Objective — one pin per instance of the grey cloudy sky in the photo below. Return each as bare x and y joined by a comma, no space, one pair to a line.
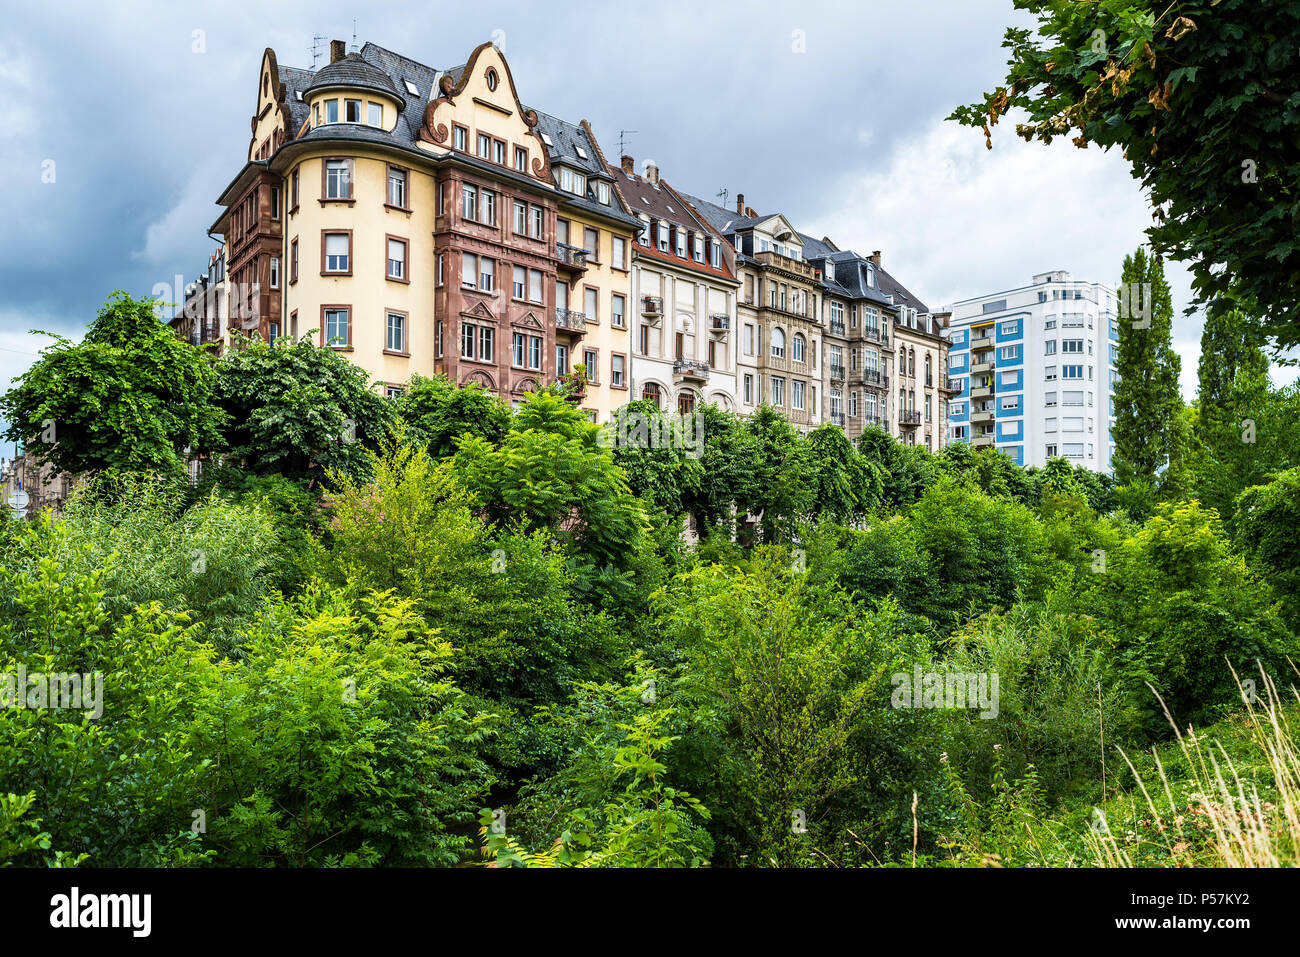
832,113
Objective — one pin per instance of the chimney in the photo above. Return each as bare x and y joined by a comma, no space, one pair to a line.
651,173
338,50
749,211
629,166
875,257
740,204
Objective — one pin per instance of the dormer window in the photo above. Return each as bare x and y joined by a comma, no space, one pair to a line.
572,181
830,269
602,192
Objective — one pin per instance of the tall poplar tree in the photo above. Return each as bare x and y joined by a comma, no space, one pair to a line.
1146,397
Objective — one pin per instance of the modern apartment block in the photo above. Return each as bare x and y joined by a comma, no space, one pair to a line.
1036,367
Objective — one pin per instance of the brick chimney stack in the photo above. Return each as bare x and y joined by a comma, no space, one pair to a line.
629,166
740,204
651,173
338,50
875,257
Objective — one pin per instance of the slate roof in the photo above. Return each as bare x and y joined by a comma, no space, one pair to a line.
662,203
357,72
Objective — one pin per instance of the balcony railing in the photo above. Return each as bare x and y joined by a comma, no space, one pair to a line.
949,384
836,370
874,377
796,266
691,369
571,256
877,334
652,306
837,418
837,327
719,323
880,420
570,320
909,417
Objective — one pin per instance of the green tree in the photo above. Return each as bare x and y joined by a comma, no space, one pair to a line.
781,492
1268,531
297,409
438,412
1146,396
845,486
1201,96
550,474
130,396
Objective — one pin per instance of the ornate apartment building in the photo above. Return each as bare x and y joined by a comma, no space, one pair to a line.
425,221
778,317
684,289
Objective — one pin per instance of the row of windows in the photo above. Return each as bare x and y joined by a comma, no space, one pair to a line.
669,238
800,391
489,148
1067,372
478,343
337,321
351,111
591,244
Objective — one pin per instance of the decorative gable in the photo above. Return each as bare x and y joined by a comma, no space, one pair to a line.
484,101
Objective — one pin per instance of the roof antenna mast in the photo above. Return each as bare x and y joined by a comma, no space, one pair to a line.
722,195
622,140
316,43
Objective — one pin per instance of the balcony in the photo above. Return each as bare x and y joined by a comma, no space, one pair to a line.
981,367
880,420
949,384
571,258
877,334
982,392
796,266
837,327
719,323
652,307
982,440
837,418
978,418
985,342
909,418
566,320
691,369
837,371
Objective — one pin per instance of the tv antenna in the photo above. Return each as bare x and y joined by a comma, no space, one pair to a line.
316,43
622,138
722,195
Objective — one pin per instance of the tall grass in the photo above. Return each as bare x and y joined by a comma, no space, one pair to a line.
1238,827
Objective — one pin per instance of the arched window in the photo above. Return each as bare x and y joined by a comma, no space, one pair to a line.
800,348
652,393
778,343
686,402
902,362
